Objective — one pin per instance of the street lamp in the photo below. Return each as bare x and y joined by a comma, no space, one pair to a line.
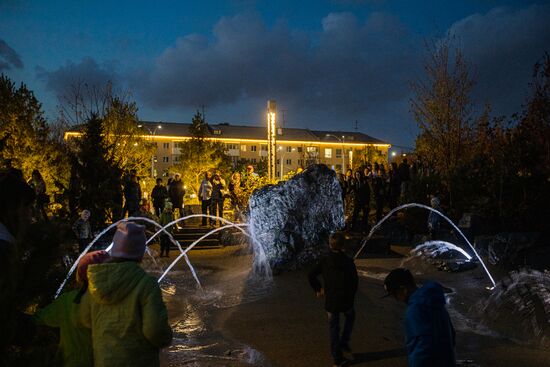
342,141
152,135
282,156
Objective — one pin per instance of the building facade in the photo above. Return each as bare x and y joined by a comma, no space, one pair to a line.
296,148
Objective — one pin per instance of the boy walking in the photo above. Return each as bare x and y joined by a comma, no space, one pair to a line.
339,288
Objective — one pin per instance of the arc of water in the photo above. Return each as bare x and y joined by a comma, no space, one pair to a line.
163,229
184,253
200,216
377,225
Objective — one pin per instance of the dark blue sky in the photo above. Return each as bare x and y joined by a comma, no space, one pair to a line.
327,63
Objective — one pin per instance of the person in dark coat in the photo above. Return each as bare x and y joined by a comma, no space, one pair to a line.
405,177
132,196
42,199
205,196
159,196
16,207
394,186
361,203
430,335
339,287
218,197
176,191
379,189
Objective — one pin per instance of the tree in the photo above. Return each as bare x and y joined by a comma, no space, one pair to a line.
124,143
442,109
198,155
96,182
25,139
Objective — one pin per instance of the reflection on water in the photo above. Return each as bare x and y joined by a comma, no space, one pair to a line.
197,315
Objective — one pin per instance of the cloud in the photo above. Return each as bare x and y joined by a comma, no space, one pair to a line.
351,69
86,73
349,66
502,46
8,57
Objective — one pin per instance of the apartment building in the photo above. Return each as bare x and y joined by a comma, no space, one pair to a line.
295,147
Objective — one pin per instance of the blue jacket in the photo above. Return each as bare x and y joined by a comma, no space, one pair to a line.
429,331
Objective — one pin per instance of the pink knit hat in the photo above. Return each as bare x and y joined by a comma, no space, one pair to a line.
129,241
91,258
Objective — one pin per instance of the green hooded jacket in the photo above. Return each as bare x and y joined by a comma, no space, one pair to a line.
124,309
75,342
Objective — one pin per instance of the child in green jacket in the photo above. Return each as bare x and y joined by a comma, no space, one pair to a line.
124,306
75,342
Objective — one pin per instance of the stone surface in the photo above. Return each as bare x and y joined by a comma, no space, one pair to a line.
290,222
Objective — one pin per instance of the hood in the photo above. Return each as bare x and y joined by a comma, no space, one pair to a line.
430,294
112,282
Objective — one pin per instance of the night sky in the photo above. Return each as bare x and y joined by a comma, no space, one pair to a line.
327,63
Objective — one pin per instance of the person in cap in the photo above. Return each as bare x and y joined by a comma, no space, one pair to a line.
430,335
75,341
124,306
339,288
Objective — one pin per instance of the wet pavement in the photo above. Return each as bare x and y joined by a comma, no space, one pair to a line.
236,321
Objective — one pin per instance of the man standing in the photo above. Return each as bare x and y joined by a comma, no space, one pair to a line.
339,288
159,195
429,331
218,196
205,196
177,192
132,195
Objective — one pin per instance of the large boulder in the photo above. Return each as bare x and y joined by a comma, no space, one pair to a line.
290,222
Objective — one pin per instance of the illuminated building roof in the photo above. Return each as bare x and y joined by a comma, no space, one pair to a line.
227,131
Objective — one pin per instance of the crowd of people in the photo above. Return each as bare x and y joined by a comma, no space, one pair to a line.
115,315
373,186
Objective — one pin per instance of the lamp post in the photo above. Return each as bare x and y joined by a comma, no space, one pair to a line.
271,140
342,141
282,156
152,134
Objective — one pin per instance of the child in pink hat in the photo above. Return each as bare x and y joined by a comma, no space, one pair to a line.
75,342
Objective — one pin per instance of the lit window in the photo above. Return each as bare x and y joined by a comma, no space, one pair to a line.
243,148
217,132
328,152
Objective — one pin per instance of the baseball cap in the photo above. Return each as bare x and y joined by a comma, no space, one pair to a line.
397,278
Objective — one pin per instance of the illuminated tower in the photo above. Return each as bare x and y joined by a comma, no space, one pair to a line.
271,137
